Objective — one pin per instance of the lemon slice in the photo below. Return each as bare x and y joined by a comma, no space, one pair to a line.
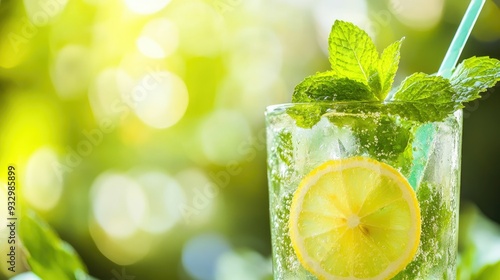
355,218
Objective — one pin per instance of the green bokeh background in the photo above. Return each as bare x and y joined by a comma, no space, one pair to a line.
204,71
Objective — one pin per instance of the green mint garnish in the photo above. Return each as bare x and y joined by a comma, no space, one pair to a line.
425,88
353,55
327,86
383,137
474,76
360,73
284,147
393,117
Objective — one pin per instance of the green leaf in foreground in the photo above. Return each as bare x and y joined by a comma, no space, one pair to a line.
490,272
479,244
473,76
48,256
353,54
327,87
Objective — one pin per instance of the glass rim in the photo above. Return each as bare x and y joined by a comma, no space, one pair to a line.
333,104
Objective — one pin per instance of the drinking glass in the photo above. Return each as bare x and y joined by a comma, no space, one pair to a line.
303,137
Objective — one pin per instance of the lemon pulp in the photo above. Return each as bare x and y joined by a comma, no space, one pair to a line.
355,218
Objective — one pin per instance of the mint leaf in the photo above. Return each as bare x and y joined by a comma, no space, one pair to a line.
306,117
426,88
473,76
353,54
383,137
281,158
387,68
327,87
284,148
440,97
379,133
358,73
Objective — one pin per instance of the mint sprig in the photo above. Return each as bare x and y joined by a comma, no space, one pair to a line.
353,55
359,73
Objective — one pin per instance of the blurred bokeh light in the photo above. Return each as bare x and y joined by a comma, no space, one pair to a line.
137,125
200,255
43,186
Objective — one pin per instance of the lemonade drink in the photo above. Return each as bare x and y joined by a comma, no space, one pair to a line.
350,222
364,177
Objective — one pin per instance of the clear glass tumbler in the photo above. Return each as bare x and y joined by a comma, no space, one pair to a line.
362,190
